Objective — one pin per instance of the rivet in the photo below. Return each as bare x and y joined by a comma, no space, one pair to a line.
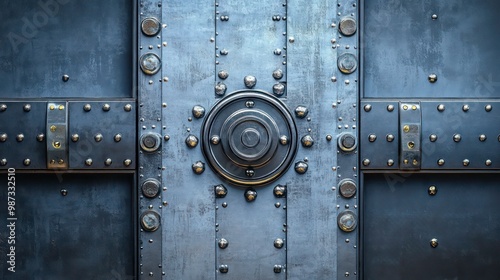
301,167
279,89
250,81
250,195
3,108
366,162
40,137
406,128
118,137
482,137
390,162
488,108
433,137
106,107
368,108
414,107
20,137
198,111
441,107
283,140
415,162
87,107
56,144
432,78
441,162
127,108
250,104
280,191
52,107
434,242
434,17
301,112
488,162
220,191
465,108
390,108
108,162
466,162
53,128
191,141
224,205
405,107
278,74
220,89
88,162
329,137
223,268
307,141
3,162
215,140
457,137
333,79
166,137
223,74
61,107
291,39
198,167
127,162
3,137
277,268
279,243
98,137
347,82
432,190
250,172
277,51
346,274
165,79
277,205
27,107
224,52
372,138
64,192
27,162
223,243
75,137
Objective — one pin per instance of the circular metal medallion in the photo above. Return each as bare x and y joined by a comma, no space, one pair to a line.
248,150
150,63
347,63
150,26
347,26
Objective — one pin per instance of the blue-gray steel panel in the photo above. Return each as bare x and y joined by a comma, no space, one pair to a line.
90,41
86,234
401,218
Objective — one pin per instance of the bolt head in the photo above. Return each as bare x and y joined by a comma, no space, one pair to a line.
432,78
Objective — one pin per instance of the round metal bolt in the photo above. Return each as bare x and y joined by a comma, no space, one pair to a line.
198,111
3,162
440,162
465,108
75,137
150,26
279,89
20,137
127,108
406,128
301,167
127,162
432,78
87,107
250,81
166,137
368,108
250,172
65,78
3,108
280,191
411,145
488,108
198,167
88,162
27,162
108,162
150,221
366,162
307,141
432,190
277,268
433,137
457,138
347,142
347,221
434,243
347,26
150,63
250,195
283,140
64,192
215,140
118,137
40,137
56,144
372,138
3,137
223,74
441,108
277,205
301,112
488,162
329,137
223,243
191,141
278,74
466,162
279,243
291,39
106,107
390,162
27,107
434,16
98,137
390,108
347,63
250,104
220,191
482,138
220,89
277,52
347,188
223,268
